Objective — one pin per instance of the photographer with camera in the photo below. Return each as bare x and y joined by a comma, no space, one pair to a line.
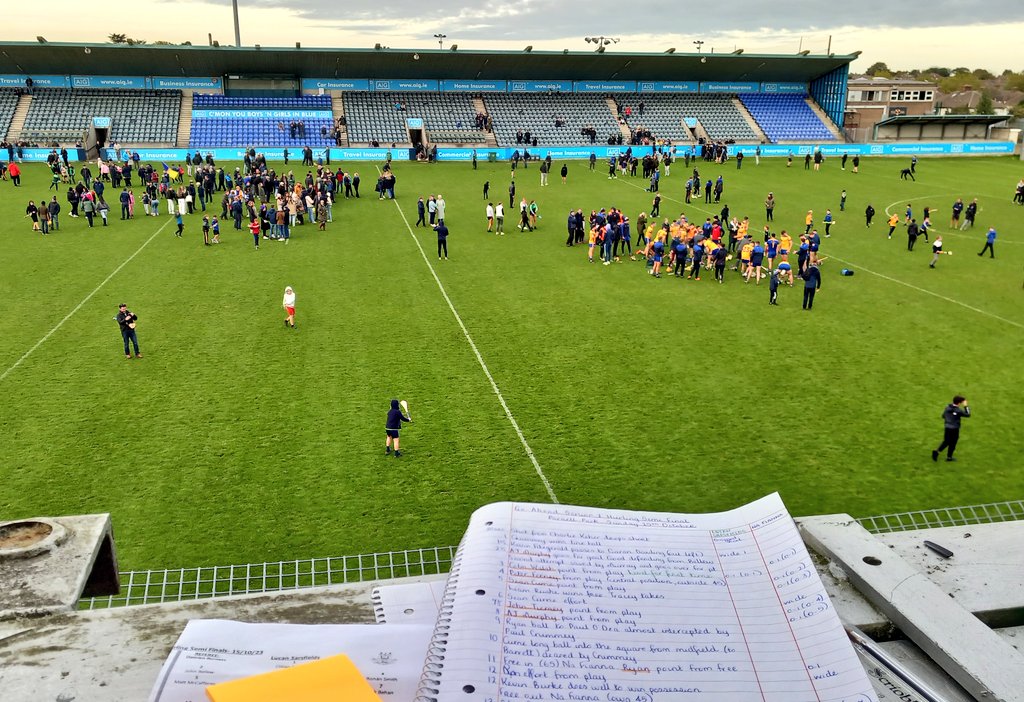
127,320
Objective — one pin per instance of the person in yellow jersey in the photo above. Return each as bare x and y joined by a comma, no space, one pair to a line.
785,245
591,244
809,221
894,220
745,252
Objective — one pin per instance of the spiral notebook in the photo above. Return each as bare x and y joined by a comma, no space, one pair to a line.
409,603
553,602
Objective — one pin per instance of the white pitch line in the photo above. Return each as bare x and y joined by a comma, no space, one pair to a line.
480,360
929,292
82,303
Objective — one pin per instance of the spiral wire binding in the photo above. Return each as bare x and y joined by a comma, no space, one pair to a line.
433,666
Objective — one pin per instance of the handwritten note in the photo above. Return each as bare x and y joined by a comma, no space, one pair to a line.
569,603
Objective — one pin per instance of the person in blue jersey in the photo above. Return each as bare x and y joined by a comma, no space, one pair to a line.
990,243
802,254
657,251
785,270
812,284
697,255
813,244
771,250
828,219
679,251
756,261
626,236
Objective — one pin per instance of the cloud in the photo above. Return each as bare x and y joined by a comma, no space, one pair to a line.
538,20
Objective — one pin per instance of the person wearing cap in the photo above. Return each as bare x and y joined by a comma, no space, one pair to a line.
127,320
289,306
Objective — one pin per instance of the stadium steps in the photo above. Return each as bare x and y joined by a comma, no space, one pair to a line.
761,136
701,133
18,120
185,120
338,111
613,107
825,119
489,139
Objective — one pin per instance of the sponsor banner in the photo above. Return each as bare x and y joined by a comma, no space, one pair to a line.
729,87
168,155
660,86
598,86
120,82
474,86
788,88
420,85
261,114
354,84
894,149
540,86
40,155
183,83
18,81
414,123
539,153
101,122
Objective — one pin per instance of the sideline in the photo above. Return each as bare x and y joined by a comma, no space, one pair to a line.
82,303
480,359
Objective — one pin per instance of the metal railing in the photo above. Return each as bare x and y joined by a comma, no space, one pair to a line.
183,584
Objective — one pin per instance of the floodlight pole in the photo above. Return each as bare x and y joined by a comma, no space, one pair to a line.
238,34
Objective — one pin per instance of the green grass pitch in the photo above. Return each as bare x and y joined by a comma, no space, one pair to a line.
236,440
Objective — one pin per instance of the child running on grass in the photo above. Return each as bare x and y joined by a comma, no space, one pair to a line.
254,227
392,427
289,306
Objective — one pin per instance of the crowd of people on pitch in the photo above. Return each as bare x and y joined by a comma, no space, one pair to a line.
686,249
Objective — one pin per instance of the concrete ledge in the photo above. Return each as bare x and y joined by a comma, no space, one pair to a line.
984,664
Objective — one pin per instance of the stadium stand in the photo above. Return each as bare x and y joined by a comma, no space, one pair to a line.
716,113
786,117
138,116
210,132
447,117
662,116
8,102
537,114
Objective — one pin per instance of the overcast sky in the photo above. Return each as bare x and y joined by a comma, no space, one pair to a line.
910,34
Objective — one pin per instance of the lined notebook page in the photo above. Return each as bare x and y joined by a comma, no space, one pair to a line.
409,603
554,602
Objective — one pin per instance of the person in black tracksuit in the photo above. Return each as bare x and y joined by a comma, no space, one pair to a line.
951,417
421,210
392,427
812,283
442,240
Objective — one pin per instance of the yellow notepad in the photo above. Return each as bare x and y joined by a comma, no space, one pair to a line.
334,679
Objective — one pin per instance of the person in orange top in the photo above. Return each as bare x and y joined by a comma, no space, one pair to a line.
893,221
809,221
